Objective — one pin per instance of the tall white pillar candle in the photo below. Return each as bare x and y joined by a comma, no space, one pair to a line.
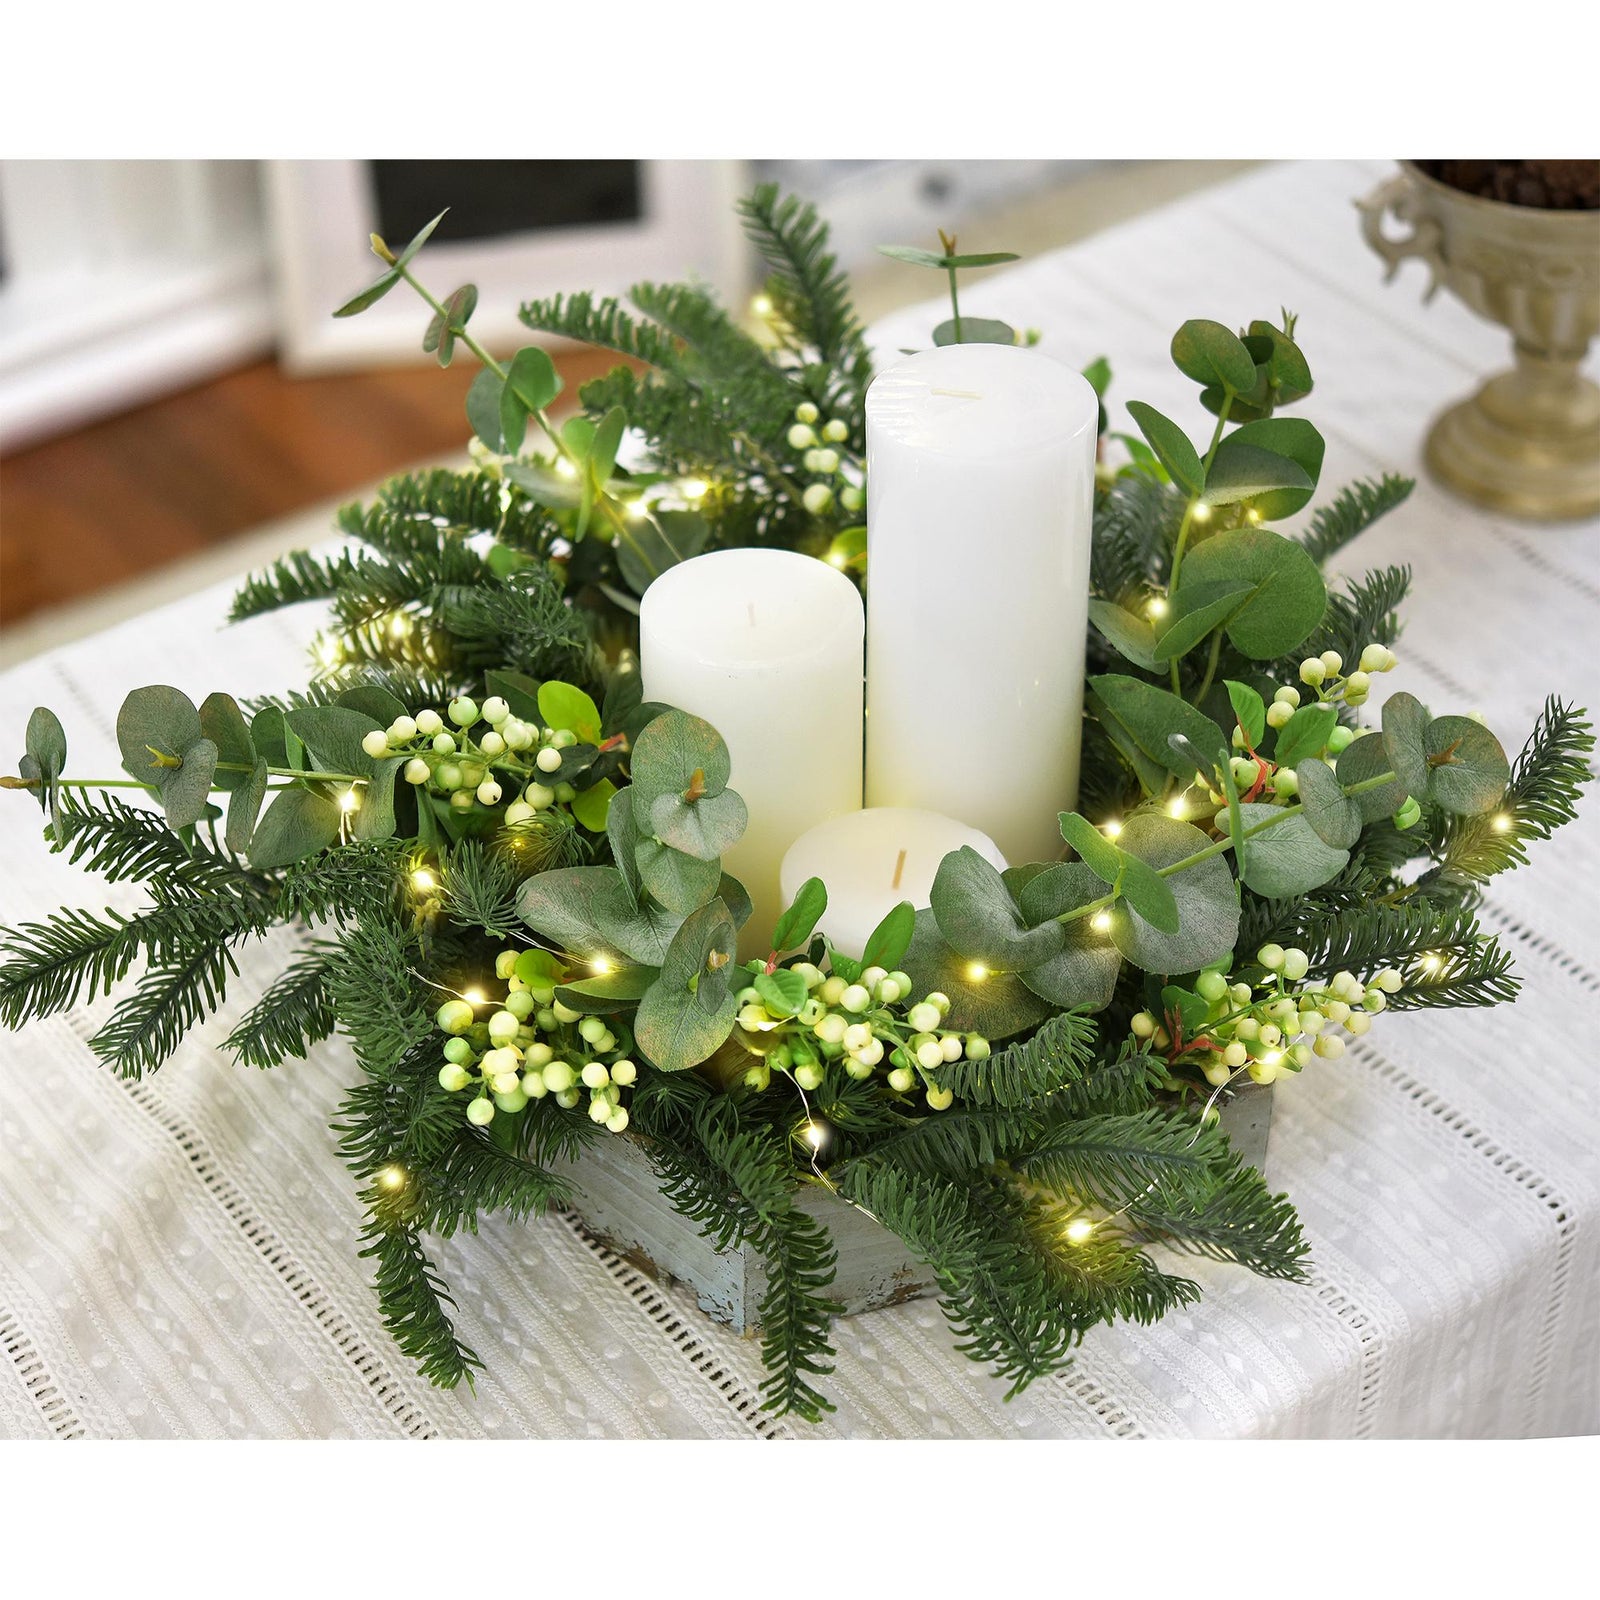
980,486
869,861
766,645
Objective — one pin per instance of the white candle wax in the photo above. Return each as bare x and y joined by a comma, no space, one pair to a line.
870,861
980,485
766,645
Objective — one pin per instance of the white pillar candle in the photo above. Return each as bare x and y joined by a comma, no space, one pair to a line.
870,861
980,486
766,645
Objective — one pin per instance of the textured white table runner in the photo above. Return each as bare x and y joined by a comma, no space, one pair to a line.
178,1257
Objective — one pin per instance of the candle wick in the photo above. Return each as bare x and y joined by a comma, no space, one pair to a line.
899,867
957,394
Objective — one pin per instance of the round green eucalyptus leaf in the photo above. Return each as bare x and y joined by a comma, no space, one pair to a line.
370,699
707,828
682,883
980,920
187,790
1405,727
993,1003
1294,439
1333,815
588,911
244,806
674,1031
154,727
46,741
1172,446
1290,596
1197,610
975,330
1206,896
1288,373
1247,474
671,749
1468,770
1208,352
1128,635
1365,759
1287,859
332,736
607,993
373,818
298,823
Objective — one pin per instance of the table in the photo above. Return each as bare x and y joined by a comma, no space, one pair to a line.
177,1257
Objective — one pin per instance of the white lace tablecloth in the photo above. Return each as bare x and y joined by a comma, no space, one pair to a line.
178,1257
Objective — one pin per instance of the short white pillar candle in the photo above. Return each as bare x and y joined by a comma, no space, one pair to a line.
980,487
766,646
869,861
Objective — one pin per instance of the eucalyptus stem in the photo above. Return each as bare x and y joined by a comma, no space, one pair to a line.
955,303
1219,846
1211,666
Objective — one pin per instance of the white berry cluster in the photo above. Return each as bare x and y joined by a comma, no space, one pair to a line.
1323,673
531,1046
1274,1026
865,1026
477,770
817,438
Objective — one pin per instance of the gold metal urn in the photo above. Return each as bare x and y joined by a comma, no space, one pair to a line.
1528,442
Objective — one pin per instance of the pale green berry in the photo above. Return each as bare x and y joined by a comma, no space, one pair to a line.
1244,771
872,977
512,1099
402,730
817,498
755,1019
458,1051
1357,1024
505,964
1374,1000
1271,957
517,734
871,1053
1312,1022
941,999
559,1077
1376,658
502,1061
851,498
472,774
1288,695
802,436
376,743
495,710
835,431
1285,783
539,797
1235,1055
520,1005
548,759
857,1036
618,1120
429,723
808,1075
901,1079
592,1029
481,1112
599,1109
940,1099
568,1098
856,998
462,800
930,1054
492,744
464,711
488,793
539,1054
452,1077
565,793
454,1016
806,412
889,991
749,996
924,1017
1278,713
546,1020
1271,1034
594,1075
813,460
809,975
1340,739
1216,1072
1264,1071
950,1047
417,770
831,989
812,1012
564,1013
1390,980
976,1047
1295,965
1356,686
827,461
1247,1028
1408,816
1331,1046
758,1076
443,744
1337,1012
1312,671
624,1072
1142,1025
1237,738
832,1028
503,1026
1332,661
1240,994
534,1086
1211,986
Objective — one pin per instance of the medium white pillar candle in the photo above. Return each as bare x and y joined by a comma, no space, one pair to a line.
870,861
766,645
980,488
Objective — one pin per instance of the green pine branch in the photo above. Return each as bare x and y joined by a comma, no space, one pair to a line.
1057,1055
1351,512
293,1014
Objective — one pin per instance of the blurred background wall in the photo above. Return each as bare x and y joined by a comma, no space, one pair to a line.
176,402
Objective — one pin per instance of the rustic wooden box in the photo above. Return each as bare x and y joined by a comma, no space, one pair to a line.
616,1196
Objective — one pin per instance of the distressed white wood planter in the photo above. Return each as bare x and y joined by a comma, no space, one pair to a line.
618,1199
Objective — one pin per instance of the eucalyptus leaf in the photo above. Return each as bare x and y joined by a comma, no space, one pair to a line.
1287,437
1288,858
485,413
298,823
1129,635
588,911
1468,770
653,544
607,441
1149,894
545,487
155,726
332,735
622,833
1250,710
980,920
1206,896
223,724
707,828
1198,609
1151,714
374,815
517,689
186,792
1332,814
995,1004
1362,761
887,943
1245,472
607,993
1208,352
533,378
1096,851
974,330
671,751
1288,374
1405,726
912,254
244,806
782,992
682,883
1290,596
675,1032
370,699
1171,445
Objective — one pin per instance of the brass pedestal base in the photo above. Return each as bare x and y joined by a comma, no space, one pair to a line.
1528,443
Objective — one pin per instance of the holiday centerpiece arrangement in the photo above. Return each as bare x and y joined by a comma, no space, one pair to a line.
571,812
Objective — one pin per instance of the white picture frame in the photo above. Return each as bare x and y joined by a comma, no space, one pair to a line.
320,214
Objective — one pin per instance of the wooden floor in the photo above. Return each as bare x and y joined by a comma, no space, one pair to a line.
122,497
